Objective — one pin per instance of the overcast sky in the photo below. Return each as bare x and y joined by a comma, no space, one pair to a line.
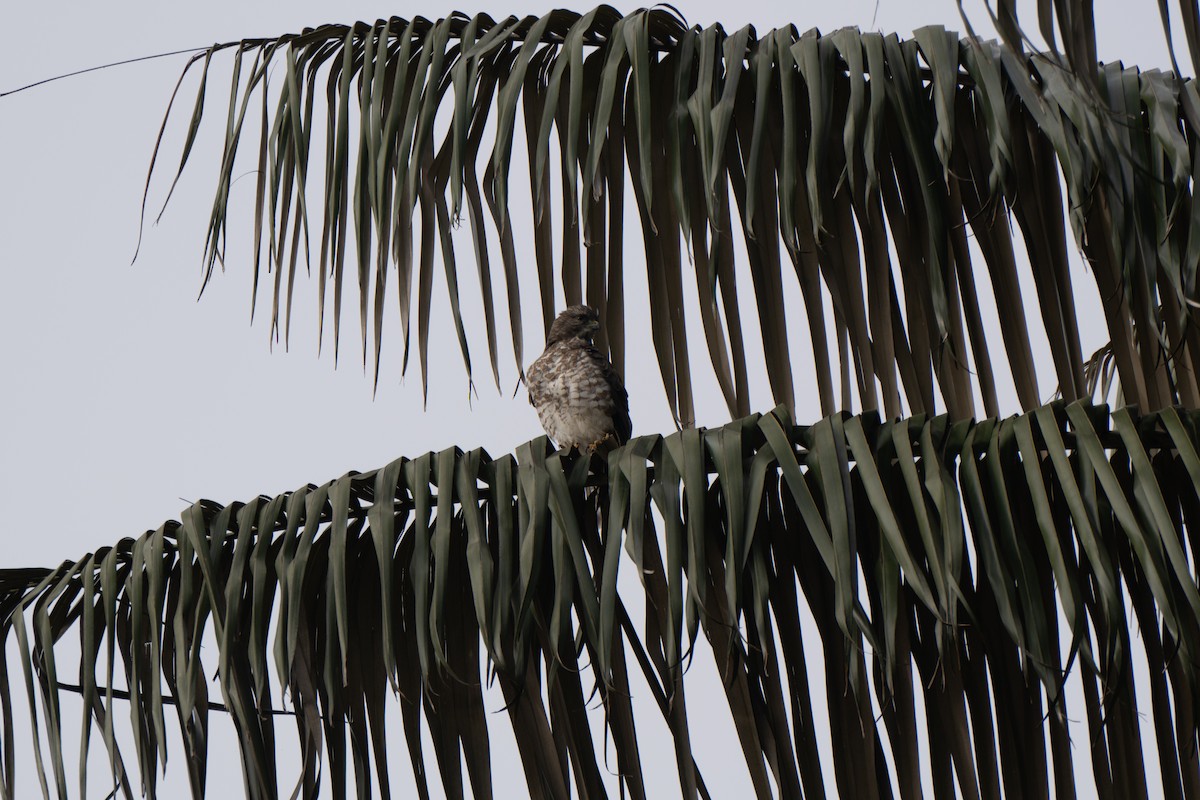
123,398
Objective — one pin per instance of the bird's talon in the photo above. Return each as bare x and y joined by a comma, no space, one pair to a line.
596,444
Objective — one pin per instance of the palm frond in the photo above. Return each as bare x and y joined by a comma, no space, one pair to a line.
866,161
1068,32
978,541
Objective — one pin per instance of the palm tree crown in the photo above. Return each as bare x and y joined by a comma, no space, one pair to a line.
1004,558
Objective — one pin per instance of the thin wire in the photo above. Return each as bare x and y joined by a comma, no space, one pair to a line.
102,66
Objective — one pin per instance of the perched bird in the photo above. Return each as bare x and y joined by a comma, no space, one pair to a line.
578,395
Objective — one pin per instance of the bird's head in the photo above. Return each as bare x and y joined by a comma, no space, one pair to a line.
575,322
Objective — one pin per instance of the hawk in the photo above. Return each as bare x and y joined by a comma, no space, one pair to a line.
579,397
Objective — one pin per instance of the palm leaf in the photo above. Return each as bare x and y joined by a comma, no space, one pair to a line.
969,533
866,156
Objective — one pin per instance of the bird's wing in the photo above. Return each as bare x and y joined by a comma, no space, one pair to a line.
622,424
533,381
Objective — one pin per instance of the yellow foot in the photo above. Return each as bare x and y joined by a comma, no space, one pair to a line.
591,448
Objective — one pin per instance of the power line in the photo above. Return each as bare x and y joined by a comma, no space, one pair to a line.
102,66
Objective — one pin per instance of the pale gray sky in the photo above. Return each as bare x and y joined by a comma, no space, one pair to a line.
123,397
